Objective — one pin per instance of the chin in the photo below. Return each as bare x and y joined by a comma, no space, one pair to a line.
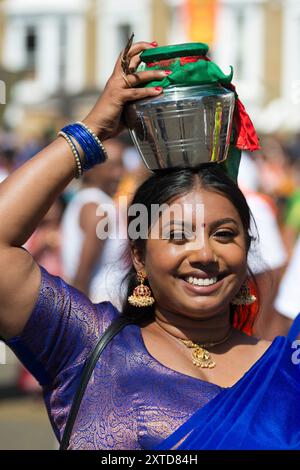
196,308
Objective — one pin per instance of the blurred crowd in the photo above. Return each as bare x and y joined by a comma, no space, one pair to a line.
66,242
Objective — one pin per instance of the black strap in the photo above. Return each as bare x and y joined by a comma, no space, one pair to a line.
111,331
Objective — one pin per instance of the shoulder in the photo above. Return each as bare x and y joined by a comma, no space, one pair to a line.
87,218
85,196
107,313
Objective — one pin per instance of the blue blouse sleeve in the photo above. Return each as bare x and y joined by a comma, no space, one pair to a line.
62,330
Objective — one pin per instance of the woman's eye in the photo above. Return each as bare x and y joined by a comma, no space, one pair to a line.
224,235
179,236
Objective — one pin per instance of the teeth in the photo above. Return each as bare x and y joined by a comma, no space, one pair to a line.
196,281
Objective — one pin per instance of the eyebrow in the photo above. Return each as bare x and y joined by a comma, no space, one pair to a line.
225,220
213,225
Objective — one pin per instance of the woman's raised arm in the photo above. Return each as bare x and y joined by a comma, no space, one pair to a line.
27,194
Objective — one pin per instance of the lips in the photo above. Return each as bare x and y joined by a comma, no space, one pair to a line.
203,285
203,275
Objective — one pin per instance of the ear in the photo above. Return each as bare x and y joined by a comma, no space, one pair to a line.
137,259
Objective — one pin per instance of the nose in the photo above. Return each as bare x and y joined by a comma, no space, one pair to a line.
201,252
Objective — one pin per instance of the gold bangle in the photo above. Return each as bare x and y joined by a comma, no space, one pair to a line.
75,153
95,137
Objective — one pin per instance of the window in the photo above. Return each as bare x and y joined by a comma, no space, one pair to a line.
240,57
30,47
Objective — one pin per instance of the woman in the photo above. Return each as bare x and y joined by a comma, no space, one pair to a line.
145,386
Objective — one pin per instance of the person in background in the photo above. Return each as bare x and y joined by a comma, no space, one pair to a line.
287,302
291,216
276,172
135,173
92,264
267,256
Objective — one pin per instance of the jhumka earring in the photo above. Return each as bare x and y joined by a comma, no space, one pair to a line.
244,296
142,295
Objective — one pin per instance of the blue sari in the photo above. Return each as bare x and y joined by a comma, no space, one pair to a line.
260,412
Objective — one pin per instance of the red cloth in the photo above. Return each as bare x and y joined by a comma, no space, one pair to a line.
183,61
246,137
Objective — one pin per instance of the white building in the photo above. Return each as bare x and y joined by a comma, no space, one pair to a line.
46,38
71,46
116,21
261,39
290,77
67,47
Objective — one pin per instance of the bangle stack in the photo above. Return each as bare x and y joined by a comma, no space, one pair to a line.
75,153
93,149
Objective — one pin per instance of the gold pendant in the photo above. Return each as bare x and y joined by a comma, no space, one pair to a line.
202,358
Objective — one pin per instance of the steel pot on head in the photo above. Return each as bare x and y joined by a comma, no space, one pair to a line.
182,127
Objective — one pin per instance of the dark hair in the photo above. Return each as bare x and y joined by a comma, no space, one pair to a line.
163,186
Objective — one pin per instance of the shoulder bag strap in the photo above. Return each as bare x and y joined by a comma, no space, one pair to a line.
108,335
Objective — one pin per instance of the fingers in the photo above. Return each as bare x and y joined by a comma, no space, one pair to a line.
134,63
135,59
139,78
138,47
134,94
123,87
135,50
125,84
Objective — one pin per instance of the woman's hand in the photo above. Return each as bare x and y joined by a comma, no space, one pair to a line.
105,117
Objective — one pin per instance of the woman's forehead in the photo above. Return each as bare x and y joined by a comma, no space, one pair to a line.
195,210
211,204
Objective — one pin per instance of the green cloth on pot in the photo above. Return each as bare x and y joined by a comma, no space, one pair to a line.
173,51
201,72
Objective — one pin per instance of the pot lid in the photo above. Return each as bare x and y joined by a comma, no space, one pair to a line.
177,50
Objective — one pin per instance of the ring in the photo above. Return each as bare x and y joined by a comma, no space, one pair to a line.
126,80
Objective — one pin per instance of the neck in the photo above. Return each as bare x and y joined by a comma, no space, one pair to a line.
202,330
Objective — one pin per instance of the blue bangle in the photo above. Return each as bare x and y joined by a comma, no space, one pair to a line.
93,149
88,145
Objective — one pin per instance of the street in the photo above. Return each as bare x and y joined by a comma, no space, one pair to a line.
24,425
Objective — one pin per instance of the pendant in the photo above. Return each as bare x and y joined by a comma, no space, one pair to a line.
202,358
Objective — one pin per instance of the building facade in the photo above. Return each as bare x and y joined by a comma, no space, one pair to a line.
68,49
65,49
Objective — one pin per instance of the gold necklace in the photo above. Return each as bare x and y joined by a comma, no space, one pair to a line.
200,356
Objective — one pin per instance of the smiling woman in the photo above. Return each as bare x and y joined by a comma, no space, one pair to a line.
181,372
204,267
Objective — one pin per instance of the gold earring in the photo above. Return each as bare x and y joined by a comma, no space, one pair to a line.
244,296
141,296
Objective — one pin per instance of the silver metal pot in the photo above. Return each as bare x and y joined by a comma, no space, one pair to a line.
182,127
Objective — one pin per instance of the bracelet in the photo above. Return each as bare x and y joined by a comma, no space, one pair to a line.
95,137
75,153
94,152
